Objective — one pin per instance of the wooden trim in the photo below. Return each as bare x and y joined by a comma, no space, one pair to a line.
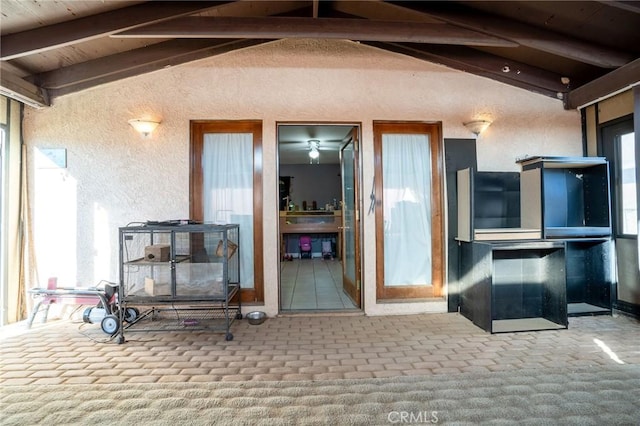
198,129
435,288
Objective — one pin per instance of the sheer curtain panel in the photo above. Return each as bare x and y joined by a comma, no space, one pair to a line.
406,167
227,183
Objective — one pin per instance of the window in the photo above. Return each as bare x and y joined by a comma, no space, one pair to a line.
628,186
618,146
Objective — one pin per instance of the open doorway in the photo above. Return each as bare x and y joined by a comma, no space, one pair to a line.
319,225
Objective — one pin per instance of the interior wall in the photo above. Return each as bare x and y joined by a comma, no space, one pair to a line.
604,111
114,177
313,182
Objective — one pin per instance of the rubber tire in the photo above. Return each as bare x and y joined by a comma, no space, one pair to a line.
228,337
131,314
109,324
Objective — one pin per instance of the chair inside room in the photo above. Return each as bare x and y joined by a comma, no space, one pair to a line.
305,246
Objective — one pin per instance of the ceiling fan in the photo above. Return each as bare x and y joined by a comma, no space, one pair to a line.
312,150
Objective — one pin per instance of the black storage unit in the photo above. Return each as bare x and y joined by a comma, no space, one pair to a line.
566,197
534,254
508,287
489,206
590,277
569,199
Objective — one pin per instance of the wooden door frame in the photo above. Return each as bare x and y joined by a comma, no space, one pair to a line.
357,181
198,128
434,130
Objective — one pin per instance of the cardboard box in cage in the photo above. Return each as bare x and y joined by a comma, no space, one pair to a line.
231,249
154,288
157,253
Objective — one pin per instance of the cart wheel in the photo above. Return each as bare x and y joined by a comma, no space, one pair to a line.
109,324
239,315
228,337
131,314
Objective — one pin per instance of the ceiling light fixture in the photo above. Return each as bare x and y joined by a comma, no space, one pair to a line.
144,127
478,126
314,154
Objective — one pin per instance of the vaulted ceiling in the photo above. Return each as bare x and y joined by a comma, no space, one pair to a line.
576,51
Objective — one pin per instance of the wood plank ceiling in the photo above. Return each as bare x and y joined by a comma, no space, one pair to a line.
576,51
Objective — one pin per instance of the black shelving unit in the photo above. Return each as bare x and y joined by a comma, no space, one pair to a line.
569,199
590,277
510,287
179,277
489,207
566,197
550,259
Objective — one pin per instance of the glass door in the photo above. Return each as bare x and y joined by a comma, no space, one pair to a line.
618,145
351,281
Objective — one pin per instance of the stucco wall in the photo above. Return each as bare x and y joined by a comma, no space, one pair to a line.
114,177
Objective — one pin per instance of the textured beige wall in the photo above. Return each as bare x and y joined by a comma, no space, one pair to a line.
114,177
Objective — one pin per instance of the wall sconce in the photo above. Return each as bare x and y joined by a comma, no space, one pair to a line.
314,154
477,127
144,127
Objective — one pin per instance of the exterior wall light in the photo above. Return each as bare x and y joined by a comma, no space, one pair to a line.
144,127
478,126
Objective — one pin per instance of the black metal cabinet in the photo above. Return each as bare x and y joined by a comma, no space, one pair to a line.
185,276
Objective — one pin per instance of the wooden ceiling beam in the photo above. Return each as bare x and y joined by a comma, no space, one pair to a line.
617,80
629,6
526,35
112,64
136,62
485,65
327,28
381,10
62,34
21,90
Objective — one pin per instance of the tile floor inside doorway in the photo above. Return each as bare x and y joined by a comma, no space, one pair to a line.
312,284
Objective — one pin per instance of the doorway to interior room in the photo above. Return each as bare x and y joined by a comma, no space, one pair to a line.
319,217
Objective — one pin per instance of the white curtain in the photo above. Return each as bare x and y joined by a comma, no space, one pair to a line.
406,172
227,170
